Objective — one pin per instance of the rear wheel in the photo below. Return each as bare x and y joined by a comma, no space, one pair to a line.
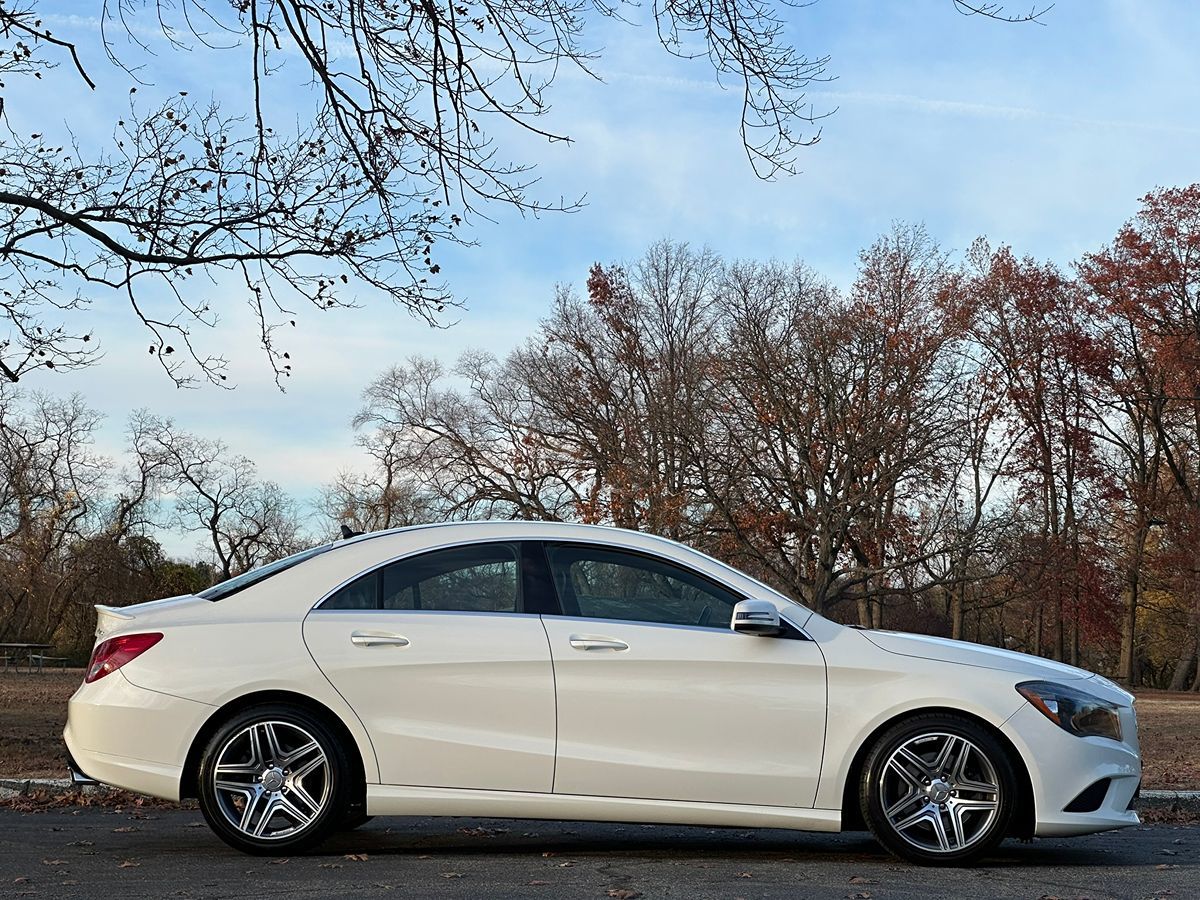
938,790
274,780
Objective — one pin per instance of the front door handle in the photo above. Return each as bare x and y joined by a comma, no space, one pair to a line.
377,639
588,642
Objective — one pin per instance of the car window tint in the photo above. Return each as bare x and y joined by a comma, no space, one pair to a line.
480,578
362,593
609,584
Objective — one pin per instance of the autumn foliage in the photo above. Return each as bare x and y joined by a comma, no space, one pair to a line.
991,447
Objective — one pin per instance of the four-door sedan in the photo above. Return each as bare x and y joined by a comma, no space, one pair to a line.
550,671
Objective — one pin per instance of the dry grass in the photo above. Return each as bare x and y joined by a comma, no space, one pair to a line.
33,709
1169,729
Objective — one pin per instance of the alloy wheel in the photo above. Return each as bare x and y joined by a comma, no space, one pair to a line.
271,780
939,792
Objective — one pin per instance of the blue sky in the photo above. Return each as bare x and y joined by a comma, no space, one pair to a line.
1042,136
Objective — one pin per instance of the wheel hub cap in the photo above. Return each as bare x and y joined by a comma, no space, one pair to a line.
939,791
272,780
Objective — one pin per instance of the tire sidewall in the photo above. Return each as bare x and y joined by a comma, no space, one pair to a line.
872,807
326,822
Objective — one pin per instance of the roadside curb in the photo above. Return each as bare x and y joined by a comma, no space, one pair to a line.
16,787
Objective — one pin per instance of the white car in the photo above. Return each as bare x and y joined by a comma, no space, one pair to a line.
551,671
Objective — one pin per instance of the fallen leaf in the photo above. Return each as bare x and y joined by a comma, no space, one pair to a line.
128,864
357,857
537,882
451,875
125,829
54,862
566,865
331,865
624,894
80,843
282,861
859,879
744,875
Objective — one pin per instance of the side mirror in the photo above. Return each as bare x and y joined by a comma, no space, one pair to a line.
758,617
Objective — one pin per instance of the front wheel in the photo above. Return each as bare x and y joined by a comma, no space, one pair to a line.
938,790
274,780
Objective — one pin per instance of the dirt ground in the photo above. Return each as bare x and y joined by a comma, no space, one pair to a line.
1169,729
33,709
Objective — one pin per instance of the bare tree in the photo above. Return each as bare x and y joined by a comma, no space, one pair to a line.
391,153
313,202
246,522
51,494
828,459
384,496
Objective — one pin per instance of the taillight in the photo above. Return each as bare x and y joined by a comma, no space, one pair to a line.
110,655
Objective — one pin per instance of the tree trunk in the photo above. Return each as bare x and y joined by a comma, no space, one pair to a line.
1133,578
957,602
1183,668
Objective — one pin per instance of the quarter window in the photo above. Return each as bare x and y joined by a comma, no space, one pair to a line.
598,583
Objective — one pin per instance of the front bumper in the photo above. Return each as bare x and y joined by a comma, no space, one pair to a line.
1062,766
129,737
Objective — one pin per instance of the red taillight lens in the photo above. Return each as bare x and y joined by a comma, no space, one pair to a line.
110,655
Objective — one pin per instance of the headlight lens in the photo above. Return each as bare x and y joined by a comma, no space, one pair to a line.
1073,710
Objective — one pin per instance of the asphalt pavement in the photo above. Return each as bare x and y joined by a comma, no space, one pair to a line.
95,852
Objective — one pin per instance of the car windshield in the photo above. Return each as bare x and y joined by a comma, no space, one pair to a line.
254,576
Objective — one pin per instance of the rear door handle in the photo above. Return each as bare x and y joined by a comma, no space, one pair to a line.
587,642
377,639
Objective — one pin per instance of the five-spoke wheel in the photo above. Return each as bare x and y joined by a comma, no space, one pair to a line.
938,788
273,778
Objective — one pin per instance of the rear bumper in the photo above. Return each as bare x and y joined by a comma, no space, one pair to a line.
129,737
1062,766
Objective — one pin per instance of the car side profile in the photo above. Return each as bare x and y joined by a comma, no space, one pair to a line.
554,671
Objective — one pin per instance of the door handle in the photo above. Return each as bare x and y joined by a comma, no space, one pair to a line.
377,639
586,642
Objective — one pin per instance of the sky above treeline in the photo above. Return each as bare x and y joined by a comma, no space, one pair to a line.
1042,136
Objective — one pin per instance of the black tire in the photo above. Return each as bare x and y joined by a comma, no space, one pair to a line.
317,785
933,799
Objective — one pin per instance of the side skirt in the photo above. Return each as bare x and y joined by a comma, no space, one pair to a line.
401,800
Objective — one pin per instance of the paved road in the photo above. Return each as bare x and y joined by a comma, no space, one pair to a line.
94,852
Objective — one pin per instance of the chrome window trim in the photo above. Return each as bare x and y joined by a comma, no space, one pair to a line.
425,612
705,629
614,545
375,568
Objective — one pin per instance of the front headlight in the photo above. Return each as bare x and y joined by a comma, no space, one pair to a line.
1074,710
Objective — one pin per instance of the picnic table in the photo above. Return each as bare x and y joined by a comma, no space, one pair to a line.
12,654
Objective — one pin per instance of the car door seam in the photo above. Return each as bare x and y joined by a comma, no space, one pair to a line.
554,683
336,690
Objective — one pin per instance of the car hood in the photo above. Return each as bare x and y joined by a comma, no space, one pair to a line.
968,654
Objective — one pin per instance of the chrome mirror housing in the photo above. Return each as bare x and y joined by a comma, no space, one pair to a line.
757,617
